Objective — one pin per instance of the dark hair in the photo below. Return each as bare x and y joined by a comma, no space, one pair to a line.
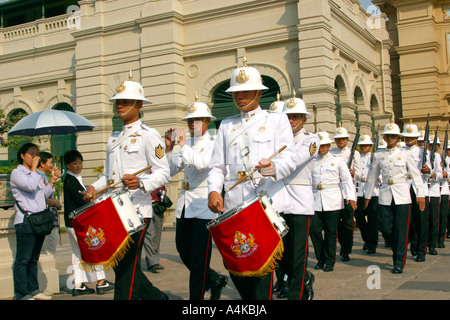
44,157
23,149
71,156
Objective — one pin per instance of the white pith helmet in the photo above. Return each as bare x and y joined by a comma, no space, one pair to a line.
130,90
277,105
341,132
382,144
411,130
421,135
198,109
296,105
391,128
324,137
245,78
432,139
365,139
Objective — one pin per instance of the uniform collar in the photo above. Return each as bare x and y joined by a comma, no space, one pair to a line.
392,150
251,113
205,136
302,131
412,147
132,126
299,134
319,157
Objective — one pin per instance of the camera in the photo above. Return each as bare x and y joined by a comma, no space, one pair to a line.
161,194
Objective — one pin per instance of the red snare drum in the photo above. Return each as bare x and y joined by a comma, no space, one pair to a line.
249,237
103,228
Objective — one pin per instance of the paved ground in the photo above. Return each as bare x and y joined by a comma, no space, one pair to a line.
352,280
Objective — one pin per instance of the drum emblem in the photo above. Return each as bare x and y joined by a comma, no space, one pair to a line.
94,238
243,246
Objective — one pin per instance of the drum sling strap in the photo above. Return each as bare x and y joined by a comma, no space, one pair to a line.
119,154
239,135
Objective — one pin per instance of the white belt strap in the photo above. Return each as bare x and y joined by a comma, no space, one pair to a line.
193,185
326,186
241,127
396,181
234,176
245,152
318,163
297,181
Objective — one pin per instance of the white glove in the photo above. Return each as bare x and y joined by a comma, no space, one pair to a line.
266,168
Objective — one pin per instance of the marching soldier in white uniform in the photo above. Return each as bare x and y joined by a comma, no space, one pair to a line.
418,230
193,240
444,206
345,223
435,197
244,142
301,201
394,200
367,219
330,179
135,147
281,284
447,170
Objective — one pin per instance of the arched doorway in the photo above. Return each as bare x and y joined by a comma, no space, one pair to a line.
224,105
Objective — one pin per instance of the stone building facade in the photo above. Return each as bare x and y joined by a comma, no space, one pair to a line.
332,53
420,60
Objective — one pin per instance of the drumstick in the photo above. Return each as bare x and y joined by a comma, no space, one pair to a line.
112,185
254,170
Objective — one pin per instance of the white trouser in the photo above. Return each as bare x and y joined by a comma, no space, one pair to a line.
80,275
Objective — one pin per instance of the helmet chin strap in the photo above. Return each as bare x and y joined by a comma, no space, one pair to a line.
247,107
301,123
129,110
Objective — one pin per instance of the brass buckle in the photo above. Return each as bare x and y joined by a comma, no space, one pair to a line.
319,187
186,186
241,174
363,179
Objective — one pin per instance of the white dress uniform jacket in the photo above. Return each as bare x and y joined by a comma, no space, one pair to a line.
241,142
435,183
394,165
294,194
330,179
299,183
366,166
445,190
194,158
417,154
344,153
136,147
